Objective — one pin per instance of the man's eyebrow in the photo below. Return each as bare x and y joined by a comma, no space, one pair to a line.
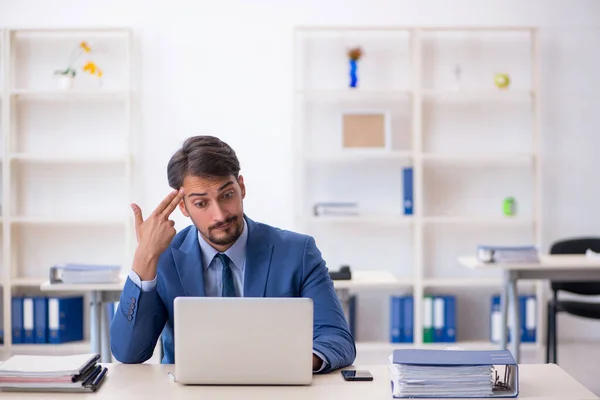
206,194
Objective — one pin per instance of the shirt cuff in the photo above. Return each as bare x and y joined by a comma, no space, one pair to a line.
324,364
146,286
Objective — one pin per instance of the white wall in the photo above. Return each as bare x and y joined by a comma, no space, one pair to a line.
225,68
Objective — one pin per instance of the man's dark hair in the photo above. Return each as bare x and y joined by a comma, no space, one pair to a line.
204,157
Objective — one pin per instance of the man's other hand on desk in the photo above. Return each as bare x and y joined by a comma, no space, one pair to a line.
317,363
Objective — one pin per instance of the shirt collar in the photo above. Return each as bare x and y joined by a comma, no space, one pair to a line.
236,253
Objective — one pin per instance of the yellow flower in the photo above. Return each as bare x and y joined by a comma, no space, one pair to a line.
92,68
85,47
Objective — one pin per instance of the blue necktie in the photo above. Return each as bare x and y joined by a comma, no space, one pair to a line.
227,277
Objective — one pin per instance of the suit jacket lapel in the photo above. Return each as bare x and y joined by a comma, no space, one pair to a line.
189,265
258,261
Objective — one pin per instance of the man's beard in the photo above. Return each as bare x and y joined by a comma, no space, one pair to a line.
234,232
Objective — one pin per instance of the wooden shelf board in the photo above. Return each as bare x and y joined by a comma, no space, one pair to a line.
22,220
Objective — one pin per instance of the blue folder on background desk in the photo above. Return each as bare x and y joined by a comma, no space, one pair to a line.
454,373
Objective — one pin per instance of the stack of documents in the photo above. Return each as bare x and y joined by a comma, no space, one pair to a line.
335,209
82,273
79,373
508,254
452,373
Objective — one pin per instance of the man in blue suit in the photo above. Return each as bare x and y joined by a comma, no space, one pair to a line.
224,253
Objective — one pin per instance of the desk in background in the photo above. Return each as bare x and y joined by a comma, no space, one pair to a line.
100,294
150,381
362,280
551,267
111,292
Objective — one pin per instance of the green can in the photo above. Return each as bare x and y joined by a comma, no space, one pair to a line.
509,206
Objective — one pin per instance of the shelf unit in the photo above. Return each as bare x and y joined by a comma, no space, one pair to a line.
66,160
470,144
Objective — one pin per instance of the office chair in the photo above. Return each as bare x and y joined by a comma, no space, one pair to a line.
578,308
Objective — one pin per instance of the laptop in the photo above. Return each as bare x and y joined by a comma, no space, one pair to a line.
243,340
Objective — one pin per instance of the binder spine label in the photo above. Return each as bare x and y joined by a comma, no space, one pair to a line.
28,320
439,322
53,311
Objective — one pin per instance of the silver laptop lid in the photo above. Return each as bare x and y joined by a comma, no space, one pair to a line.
243,340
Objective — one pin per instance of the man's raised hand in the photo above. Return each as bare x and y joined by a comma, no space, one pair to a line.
154,234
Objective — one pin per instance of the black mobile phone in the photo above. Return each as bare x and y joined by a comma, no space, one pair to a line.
356,375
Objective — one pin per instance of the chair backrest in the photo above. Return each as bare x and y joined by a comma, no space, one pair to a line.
576,246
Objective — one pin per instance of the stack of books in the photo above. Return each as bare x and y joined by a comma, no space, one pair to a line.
453,373
335,209
439,319
83,273
53,319
78,373
508,254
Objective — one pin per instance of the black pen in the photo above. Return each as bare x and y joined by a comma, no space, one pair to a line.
92,375
99,377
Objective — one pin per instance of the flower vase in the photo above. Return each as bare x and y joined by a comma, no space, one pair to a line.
353,73
65,82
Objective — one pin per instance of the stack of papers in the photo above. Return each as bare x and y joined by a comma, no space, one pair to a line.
335,209
82,273
422,381
79,373
452,373
508,254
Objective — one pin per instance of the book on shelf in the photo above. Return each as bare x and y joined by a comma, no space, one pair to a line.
77,373
527,319
52,319
439,319
453,373
507,254
407,190
401,319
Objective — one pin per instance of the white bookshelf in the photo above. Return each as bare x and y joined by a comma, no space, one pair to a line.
393,219
66,161
470,145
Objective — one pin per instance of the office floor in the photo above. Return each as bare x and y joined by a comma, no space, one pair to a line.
579,359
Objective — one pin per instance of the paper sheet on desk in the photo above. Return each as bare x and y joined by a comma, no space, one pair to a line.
46,366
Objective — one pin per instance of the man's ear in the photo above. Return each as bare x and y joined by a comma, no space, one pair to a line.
242,186
183,208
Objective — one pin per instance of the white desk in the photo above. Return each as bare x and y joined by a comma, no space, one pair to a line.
150,381
362,280
367,280
550,267
110,292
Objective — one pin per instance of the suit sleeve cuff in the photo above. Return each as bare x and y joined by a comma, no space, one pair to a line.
145,286
322,357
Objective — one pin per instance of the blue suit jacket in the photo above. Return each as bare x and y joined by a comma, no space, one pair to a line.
279,263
